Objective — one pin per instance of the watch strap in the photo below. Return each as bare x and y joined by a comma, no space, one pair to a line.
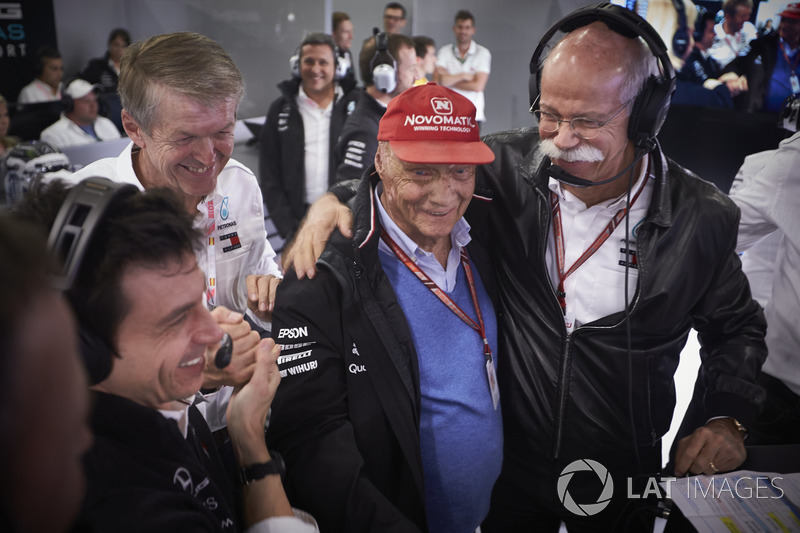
251,473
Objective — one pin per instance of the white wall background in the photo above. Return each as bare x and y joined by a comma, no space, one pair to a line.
261,35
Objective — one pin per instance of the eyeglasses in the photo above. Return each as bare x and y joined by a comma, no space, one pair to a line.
585,128
393,18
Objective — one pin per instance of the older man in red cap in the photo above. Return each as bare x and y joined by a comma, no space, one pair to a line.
388,414
772,66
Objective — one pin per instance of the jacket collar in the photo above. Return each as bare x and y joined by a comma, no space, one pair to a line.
366,221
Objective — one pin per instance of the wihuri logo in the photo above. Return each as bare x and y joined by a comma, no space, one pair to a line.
442,106
585,509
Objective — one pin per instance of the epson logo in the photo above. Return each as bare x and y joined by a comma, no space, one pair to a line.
293,333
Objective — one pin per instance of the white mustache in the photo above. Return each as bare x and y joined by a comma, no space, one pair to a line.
582,152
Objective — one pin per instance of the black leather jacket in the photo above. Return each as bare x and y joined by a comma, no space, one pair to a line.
566,394
281,153
346,415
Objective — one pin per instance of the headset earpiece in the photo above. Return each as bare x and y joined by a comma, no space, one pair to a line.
383,65
82,212
700,23
650,108
680,40
67,103
294,64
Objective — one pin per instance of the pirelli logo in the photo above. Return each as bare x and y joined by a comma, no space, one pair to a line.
293,357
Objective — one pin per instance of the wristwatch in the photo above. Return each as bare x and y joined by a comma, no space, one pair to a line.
739,425
251,473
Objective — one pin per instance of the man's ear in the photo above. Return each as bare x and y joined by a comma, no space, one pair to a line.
133,129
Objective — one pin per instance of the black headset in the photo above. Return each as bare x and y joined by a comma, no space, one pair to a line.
383,64
700,23
652,103
44,52
67,102
680,40
82,212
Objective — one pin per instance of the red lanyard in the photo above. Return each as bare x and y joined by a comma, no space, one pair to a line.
443,297
211,267
786,57
598,242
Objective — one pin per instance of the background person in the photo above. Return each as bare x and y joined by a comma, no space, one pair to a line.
46,86
768,198
734,32
394,17
44,400
105,70
358,142
80,123
343,37
426,58
772,66
464,66
6,142
297,144
701,81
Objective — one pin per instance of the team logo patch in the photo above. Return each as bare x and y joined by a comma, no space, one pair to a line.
442,106
224,210
628,256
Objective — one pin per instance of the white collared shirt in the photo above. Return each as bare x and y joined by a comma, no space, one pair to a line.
181,416
477,59
316,131
38,91
445,278
596,288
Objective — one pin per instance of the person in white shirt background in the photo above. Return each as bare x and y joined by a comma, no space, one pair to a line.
464,66
46,87
80,123
734,33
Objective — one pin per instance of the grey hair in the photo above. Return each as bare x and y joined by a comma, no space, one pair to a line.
185,62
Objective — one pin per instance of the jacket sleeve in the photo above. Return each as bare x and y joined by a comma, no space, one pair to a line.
309,424
270,173
355,152
92,71
731,328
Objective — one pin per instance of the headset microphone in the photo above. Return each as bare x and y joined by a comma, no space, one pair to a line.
563,176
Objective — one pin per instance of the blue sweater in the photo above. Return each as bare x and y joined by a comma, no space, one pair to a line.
461,434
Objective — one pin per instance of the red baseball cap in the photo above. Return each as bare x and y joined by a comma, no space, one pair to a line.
792,11
433,124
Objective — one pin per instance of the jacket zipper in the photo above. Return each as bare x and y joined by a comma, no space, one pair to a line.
562,389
